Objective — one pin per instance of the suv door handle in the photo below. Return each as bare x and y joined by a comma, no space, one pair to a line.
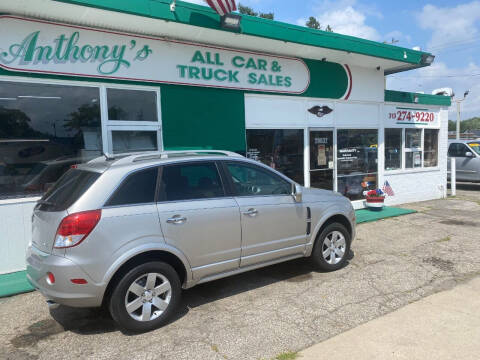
251,212
177,220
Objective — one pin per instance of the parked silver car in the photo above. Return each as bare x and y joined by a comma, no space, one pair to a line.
467,159
131,232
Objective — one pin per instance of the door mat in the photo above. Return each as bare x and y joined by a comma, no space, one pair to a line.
365,215
14,283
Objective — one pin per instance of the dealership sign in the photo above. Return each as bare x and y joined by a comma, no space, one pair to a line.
404,117
51,48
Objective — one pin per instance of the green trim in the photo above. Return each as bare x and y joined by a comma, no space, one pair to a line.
366,215
203,16
203,118
402,108
14,283
423,99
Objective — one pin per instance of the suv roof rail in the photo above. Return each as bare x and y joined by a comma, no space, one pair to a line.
132,158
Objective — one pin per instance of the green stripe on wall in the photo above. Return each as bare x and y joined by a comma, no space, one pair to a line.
203,118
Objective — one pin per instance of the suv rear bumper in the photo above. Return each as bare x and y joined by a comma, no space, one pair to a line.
63,291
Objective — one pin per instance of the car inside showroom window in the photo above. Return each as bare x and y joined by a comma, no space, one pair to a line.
44,130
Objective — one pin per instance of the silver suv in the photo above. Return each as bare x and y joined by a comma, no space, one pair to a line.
129,233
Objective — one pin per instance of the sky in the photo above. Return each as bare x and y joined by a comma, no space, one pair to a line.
450,29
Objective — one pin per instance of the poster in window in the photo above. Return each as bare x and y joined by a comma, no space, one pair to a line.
321,155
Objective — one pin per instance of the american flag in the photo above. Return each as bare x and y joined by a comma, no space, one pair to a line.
222,7
387,189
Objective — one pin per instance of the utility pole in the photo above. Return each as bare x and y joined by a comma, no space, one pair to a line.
459,102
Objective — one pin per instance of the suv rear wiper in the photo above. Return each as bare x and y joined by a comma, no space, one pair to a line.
44,202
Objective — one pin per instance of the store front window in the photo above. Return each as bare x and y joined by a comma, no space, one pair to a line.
44,130
393,149
279,149
413,148
132,105
357,159
431,148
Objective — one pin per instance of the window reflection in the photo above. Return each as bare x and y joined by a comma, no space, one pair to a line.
393,149
357,161
44,129
132,105
279,149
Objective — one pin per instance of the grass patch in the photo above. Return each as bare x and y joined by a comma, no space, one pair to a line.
289,355
445,239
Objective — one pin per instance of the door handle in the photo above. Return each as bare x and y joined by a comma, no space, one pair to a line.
251,212
177,220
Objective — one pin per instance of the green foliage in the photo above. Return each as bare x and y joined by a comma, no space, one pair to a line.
470,124
313,23
15,124
289,355
269,16
246,10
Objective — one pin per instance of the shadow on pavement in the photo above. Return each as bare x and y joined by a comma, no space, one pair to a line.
466,186
97,321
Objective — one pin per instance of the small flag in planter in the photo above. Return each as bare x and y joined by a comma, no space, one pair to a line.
222,7
387,189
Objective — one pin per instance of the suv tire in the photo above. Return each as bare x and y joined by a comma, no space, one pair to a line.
146,297
332,247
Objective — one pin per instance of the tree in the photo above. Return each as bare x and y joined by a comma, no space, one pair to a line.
313,23
246,10
465,125
15,124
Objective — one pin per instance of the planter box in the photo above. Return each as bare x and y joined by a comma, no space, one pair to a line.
375,202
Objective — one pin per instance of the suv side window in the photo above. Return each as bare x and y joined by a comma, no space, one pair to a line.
250,180
191,181
457,150
137,188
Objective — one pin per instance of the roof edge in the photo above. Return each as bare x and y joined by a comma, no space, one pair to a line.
203,16
422,99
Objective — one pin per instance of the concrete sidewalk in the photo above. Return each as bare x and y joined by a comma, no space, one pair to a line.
442,326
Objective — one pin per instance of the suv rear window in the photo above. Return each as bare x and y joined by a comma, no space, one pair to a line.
138,188
68,189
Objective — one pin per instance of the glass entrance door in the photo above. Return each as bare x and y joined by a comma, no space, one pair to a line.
321,159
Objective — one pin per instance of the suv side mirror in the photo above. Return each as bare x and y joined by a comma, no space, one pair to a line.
297,193
468,154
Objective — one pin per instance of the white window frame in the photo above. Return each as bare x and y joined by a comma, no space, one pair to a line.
106,125
147,128
402,149
127,125
406,150
132,88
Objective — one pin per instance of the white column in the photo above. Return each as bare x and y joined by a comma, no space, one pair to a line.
306,155
453,175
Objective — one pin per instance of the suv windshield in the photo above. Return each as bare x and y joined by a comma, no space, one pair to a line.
67,190
475,146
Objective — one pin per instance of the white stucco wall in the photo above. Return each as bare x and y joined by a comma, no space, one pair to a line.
426,184
15,234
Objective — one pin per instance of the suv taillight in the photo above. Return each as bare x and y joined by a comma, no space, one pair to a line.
75,228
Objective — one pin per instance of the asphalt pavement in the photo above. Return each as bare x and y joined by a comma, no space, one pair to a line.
267,312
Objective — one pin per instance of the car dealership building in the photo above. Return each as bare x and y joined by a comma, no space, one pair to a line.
79,78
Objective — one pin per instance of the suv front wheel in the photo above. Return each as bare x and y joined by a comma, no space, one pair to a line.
146,297
331,247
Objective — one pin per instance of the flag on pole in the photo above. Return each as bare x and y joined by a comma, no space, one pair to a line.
387,189
222,7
